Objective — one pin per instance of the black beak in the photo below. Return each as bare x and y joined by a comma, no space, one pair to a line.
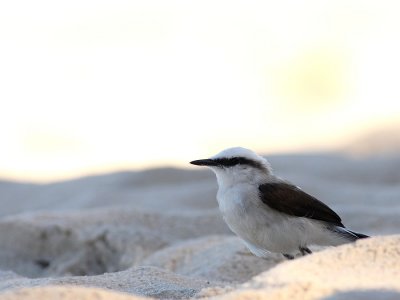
204,162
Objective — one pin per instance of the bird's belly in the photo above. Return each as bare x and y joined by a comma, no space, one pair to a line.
264,230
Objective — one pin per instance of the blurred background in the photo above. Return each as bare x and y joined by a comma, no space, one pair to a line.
90,86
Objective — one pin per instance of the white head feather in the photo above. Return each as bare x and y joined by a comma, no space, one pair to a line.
241,172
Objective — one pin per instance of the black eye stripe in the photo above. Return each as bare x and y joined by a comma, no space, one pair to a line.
233,161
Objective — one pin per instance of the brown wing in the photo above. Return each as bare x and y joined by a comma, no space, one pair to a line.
291,200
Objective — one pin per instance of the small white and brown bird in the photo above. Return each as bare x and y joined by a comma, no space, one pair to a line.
270,214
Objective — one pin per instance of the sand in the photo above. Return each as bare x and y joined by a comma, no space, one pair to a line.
158,234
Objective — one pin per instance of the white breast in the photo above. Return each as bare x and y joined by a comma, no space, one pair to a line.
240,208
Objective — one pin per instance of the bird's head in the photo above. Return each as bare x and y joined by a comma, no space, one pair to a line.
234,165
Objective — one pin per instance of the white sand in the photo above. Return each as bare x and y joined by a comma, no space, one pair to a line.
158,233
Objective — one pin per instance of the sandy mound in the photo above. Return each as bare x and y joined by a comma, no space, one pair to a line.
368,269
90,243
158,233
65,293
215,258
149,281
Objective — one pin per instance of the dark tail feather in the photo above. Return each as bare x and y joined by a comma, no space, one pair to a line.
350,235
358,235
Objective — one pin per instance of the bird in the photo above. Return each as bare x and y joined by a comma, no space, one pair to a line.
270,214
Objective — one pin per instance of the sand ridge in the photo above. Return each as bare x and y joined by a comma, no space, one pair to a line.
158,233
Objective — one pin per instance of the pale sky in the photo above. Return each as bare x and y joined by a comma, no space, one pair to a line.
95,86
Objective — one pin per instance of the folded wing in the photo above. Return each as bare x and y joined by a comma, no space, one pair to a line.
291,200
